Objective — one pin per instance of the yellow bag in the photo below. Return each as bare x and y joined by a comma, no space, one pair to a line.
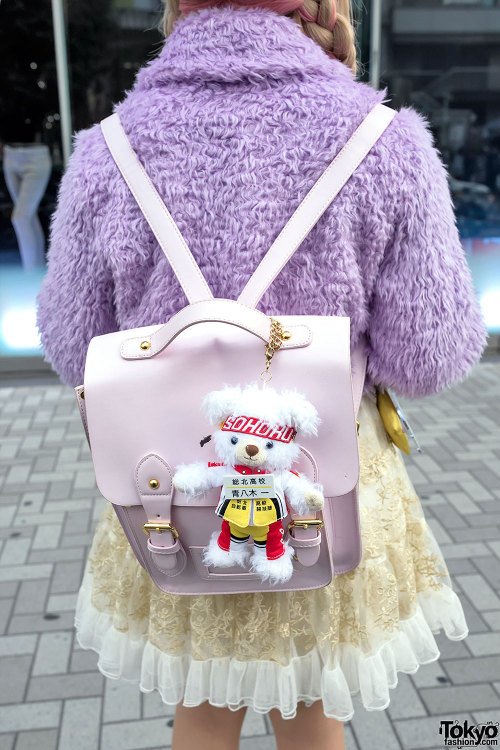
392,421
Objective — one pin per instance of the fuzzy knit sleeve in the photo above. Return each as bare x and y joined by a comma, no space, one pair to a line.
75,302
426,330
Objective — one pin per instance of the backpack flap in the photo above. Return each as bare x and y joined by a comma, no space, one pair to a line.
152,404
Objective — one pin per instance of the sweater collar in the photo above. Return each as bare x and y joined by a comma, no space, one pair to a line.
231,44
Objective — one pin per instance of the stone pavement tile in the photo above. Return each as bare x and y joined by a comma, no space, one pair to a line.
83,661
266,742
52,654
80,725
7,513
462,502
449,649
12,645
465,698
460,565
405,702
67,577
495,547
57,555
44,463
32,502
450,518
43,715
25,572
485,519
480,669
429,675
40,623
47,537
8,589
32,597
74,540
136,735
15,673
349,739
122,701
79,685
77,522
493,619
5,610
474,620
253,725
153,707
58,491
43,739
423,734
372,729
490,569
482,644
7,741
475,533
476,490
61,602
442,536
15,551
77,507
23,520
465,549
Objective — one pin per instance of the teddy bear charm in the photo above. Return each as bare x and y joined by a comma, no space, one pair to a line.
256,447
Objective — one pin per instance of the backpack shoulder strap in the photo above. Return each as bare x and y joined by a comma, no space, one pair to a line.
291,236
316,202
157,215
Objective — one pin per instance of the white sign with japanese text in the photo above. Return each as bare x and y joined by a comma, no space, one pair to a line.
249,486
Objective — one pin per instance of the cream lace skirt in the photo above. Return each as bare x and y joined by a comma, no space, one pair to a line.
272,650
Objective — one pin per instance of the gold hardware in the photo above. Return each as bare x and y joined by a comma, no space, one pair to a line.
154,484
295,557
159,527
275,340
145,345
357,427
287,335
304,524
82,394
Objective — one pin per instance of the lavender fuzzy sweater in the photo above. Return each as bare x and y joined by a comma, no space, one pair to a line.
234,121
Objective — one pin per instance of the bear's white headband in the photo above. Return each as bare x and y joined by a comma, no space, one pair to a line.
254,426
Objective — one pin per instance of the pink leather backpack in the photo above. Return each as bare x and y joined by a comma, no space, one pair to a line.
140,402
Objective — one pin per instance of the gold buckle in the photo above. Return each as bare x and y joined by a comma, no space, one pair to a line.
306,523
159,527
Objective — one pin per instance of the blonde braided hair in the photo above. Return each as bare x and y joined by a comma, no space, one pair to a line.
330,24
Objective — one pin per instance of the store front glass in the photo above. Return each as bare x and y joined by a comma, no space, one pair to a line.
441,57
107,41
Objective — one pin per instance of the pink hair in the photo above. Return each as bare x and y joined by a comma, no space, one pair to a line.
279,6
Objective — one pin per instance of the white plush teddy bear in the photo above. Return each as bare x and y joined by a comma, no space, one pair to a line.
256,446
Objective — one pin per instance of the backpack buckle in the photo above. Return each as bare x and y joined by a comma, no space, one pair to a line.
306,523
159,527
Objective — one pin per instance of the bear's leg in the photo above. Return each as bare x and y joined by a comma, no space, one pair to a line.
272,558
227,548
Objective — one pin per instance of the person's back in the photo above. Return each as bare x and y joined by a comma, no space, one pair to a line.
234,121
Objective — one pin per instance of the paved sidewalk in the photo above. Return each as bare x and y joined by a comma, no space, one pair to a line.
52,696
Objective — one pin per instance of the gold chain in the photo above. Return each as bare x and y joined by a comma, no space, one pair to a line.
272,346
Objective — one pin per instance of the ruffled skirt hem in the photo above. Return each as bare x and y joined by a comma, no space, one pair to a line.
264,685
